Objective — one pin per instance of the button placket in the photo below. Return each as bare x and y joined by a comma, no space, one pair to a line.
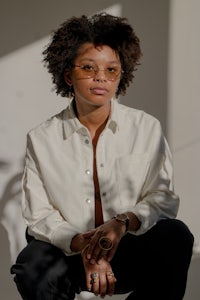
101,165
88,164
100,154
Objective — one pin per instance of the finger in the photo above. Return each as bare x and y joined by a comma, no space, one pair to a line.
99,254
103,285
93,243
111,253
103,255
88,283
111,283
95,256
95,283
88,234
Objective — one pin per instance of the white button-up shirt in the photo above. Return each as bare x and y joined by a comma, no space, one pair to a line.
134,171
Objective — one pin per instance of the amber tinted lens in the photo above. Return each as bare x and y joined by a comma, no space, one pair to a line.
84,73
111,74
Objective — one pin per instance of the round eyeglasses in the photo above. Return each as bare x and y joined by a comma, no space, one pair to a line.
90,71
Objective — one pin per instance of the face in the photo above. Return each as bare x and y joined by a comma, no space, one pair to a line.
95,76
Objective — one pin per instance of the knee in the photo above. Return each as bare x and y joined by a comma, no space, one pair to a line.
25,281
178,233
37,265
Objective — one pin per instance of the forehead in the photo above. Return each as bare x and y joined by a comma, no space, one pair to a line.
89,51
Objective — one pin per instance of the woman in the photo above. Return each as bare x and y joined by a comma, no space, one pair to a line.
98,196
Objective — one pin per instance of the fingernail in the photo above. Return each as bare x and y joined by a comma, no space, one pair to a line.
99,261
92,261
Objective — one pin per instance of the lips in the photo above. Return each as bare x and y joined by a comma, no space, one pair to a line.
99,90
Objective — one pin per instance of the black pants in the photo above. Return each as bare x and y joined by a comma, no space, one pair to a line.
151,266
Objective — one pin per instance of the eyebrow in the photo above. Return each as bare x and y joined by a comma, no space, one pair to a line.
93,61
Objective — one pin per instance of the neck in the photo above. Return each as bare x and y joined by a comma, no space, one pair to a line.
94,119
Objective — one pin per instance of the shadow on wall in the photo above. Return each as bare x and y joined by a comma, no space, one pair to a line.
11,234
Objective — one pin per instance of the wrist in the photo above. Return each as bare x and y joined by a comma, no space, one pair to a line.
123,219
134,222
130,220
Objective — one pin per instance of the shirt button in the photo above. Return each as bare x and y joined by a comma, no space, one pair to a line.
88,201
87,172
87,141
101,165
104,194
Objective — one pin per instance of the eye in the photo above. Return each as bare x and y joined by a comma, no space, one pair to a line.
113,69
88,68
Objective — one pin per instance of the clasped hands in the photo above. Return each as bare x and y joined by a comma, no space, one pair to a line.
97,248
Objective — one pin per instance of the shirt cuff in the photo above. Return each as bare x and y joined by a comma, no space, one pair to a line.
62,237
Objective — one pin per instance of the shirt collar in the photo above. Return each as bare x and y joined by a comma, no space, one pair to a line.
112,123
71,124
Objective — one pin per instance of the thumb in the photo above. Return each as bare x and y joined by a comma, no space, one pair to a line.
88,234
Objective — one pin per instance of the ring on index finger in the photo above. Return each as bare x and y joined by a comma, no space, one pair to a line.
105,243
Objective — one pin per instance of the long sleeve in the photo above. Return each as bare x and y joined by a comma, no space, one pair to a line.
157,200
43,219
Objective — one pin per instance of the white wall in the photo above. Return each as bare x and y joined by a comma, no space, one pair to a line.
184,121
184,108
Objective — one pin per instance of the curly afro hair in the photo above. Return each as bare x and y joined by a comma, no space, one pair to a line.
100,29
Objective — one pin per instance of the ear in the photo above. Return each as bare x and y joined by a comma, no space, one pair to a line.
67,77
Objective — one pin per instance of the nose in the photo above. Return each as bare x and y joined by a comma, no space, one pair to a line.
100,75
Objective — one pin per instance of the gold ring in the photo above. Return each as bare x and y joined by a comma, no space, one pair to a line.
110,273
105,243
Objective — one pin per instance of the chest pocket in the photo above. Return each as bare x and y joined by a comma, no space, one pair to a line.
131,172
